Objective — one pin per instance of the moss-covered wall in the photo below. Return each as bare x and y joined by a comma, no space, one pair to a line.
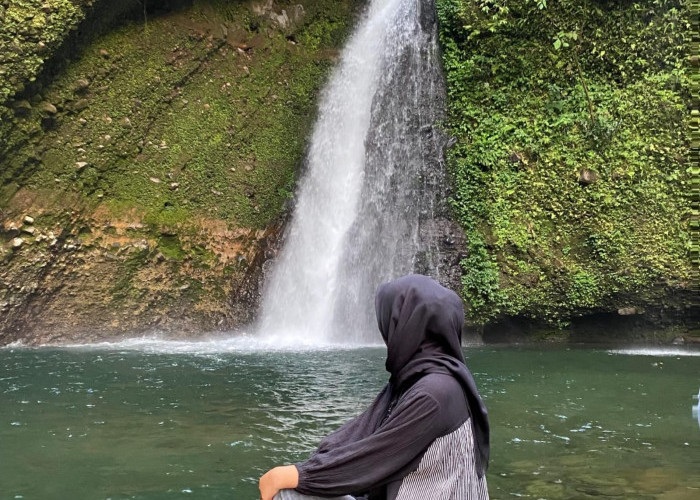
156,164
570,122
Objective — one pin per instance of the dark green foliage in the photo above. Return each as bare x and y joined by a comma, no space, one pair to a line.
543,98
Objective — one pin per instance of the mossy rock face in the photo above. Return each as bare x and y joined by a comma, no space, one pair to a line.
570,122
161,159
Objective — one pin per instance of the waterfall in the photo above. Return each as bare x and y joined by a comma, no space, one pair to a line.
372,183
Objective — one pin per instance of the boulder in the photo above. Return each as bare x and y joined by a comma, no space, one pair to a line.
82,84
48,108
627,311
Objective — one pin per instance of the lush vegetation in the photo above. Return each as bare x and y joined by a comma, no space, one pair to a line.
160,147
570,119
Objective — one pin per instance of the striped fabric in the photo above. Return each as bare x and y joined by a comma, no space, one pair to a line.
293,495
447,471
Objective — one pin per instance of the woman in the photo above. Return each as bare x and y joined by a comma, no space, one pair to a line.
426,435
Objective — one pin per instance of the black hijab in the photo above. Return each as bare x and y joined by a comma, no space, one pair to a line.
421,324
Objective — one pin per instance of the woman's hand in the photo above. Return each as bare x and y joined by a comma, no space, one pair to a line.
276,479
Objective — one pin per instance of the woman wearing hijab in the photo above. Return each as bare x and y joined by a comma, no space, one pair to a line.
426,435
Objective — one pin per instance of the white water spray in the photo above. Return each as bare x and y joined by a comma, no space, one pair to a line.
373,172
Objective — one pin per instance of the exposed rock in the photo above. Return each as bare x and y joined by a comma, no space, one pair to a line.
262,8
28,219
296,14
286,19
125,122
79,165
48,107
155,180
29,230
587,176
174,186
104,53
17,242
22,107
80,105
627,311
281,19
82,84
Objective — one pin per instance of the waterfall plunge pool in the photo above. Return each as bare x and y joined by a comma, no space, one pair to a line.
160,420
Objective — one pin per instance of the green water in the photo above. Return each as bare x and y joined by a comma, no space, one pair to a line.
159,420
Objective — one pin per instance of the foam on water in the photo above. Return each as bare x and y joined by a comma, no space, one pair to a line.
656,351
240,343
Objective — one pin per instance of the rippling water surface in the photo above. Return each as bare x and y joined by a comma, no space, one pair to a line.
155,420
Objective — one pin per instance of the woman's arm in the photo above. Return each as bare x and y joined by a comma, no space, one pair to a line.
282,477
279,478
355,467
359,427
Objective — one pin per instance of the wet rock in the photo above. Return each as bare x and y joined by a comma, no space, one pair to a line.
16,243
587,176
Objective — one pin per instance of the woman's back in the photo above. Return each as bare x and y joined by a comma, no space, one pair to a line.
447,469
426,435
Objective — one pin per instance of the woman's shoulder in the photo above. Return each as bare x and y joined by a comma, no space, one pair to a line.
438,385
448,396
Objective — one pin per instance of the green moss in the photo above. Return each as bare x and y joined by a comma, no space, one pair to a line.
529,114
123,289
170,247
191,123
211,131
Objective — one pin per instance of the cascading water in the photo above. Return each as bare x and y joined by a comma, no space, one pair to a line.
372,182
